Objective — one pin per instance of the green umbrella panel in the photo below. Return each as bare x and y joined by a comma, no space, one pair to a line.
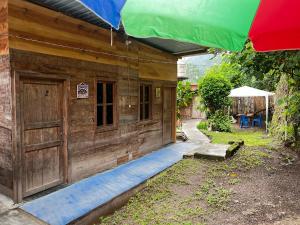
213,23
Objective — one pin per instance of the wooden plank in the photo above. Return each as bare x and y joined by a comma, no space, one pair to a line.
169,113
6,155
16,136
4,48
41,104
158,71
35,147
31,28
6,178
40,125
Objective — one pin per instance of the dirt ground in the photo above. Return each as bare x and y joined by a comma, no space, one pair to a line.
259,185
268,194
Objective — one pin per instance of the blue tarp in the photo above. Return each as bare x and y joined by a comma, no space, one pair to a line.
107,10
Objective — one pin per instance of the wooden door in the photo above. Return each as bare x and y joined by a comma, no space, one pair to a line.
42,134
168,114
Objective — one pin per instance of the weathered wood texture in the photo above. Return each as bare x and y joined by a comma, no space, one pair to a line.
5,125
251,105
42,129
50,47
37,29
91,150
4,27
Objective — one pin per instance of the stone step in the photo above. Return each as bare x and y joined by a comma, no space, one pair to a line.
208,151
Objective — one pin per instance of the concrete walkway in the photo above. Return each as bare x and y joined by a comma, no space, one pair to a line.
189,127
205,147
11,215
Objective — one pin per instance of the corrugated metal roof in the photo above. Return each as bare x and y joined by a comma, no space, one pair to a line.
74,9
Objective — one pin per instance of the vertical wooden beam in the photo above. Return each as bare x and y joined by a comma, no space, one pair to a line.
174,101
6,116
66,130
16,139
4,49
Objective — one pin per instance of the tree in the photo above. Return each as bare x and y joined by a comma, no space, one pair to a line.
231,71
264,71
184,96
214,90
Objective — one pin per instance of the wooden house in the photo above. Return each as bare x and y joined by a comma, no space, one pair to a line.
76,98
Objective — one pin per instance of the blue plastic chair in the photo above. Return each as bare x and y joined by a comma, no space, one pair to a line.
244,122
257,121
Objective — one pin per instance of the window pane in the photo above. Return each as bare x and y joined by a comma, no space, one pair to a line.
147,109
141,112
109,115
99,116
99,93
147,93
141,94
109,92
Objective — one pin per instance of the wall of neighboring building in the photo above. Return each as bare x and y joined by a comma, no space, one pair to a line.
6,167
5,126
49,44
193,111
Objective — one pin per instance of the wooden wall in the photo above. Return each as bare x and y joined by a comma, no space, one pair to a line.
5,125
37,29
91,151
6,174
251,104
38,41
3,27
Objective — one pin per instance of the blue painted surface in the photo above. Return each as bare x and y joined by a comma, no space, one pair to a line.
76,200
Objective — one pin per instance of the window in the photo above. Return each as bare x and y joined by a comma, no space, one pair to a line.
145,102
105,103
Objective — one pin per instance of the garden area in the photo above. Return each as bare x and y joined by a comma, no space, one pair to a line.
259,185
275,76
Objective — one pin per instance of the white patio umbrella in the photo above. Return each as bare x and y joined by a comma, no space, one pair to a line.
246,91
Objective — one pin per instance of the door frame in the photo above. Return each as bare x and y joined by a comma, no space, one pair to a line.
173,122
18,156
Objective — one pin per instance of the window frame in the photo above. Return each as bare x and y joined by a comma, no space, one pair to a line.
150,85
115,123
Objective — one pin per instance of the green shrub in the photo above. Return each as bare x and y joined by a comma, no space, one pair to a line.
219,121
214,90
202,125
185,96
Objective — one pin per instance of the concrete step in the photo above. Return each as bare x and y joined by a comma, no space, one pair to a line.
208,151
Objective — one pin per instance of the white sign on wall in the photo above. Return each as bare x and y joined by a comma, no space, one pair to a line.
82,90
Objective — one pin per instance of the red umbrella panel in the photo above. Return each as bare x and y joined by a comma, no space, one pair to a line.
276,26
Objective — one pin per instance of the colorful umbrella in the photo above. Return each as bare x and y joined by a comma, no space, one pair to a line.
270,24
108,11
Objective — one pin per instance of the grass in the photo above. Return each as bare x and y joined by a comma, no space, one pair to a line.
250,137
162,202
218,197
154,205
